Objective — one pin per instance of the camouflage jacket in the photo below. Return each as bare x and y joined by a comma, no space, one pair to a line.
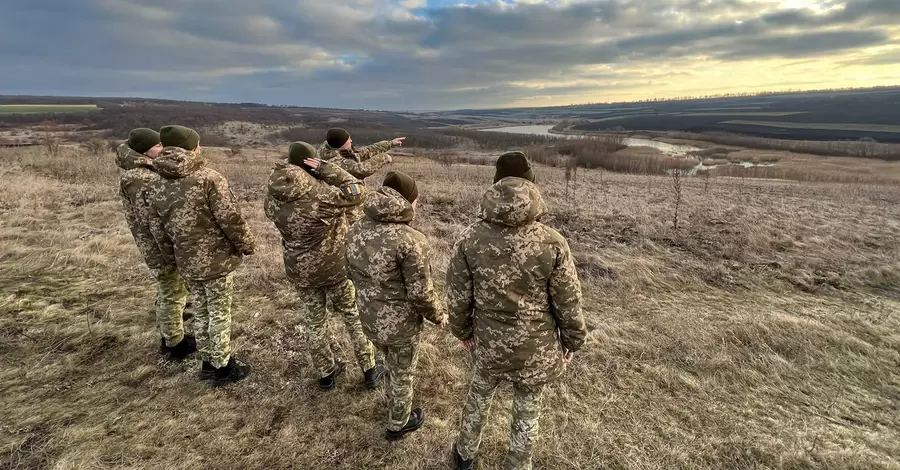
513,287
134,191
389,264
361,163
309,213
195,218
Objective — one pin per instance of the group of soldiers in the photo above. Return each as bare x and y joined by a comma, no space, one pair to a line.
513,298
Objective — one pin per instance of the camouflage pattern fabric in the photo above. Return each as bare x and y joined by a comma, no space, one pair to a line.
309,214
318,339
513,287
361,163
212,318
389,264
195,219
135,183
400,362
525,417
171,297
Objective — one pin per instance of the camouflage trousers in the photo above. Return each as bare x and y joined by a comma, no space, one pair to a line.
400,362
212,318
525,416
318,340
171,296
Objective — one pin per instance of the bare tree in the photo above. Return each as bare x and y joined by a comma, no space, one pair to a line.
677,187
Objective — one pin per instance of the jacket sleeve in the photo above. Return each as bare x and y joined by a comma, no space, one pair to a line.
370,151
362,169
341,189
460,294
225,209
565,299
158,231
420,293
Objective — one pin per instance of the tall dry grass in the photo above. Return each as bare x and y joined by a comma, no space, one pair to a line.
761,334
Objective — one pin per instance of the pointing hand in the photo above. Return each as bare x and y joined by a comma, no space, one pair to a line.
398,141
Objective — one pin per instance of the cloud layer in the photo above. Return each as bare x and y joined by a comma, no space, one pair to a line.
409,54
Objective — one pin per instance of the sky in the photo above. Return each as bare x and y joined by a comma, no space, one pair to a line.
443,54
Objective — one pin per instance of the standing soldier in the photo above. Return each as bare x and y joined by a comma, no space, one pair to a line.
389,264
513,295
135,157
197,224
309,213
361,162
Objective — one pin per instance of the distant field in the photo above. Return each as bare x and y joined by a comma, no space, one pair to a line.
745,113
46,108
819,126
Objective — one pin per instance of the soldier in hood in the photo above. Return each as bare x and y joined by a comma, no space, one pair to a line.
306,200
135,158
389,264
359,162
196,221
514,300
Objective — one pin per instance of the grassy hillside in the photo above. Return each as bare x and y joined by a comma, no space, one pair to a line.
762,334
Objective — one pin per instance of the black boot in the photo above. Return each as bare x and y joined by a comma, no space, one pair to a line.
207,371
181,350
373,376
327,382
232,372
415,421
459,463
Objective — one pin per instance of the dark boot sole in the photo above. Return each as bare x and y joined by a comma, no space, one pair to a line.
335,375
391,436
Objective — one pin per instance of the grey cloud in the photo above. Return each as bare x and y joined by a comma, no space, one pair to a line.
278,51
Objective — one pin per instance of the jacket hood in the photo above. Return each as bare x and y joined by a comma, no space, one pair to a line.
387,205
289,182
176,162
128,159
512,202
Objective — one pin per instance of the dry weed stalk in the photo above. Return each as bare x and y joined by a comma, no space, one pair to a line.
677,186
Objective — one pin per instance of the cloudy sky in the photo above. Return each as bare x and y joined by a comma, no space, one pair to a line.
442,54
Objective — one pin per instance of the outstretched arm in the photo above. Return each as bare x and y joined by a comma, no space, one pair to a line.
370,151
367,167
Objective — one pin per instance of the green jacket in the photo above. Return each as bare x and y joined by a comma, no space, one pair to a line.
309,214
390,267
195,218
513,287
135,183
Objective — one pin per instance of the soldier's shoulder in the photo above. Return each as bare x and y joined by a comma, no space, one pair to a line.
551,235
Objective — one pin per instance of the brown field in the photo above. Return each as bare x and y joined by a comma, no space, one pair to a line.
763,334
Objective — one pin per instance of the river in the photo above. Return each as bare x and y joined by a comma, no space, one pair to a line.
674,150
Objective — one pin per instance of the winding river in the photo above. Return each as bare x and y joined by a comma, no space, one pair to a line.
675,150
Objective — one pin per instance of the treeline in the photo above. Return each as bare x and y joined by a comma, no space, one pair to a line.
863,148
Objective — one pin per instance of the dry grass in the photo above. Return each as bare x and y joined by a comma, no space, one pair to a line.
761,335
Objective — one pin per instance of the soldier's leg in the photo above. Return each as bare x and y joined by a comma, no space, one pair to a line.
475,412
401,363
524,431
171,296
316,329
201,317
218,305
343,299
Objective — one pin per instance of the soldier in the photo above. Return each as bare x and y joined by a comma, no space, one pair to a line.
135,157
197,224
389,264
514,299
359,162
306,201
